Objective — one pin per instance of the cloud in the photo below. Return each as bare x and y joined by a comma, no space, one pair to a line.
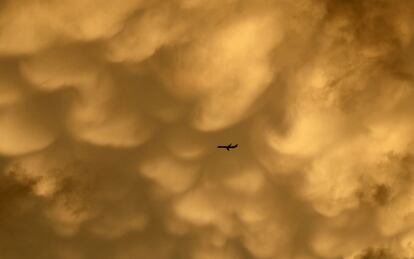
32,26
110,114
24,130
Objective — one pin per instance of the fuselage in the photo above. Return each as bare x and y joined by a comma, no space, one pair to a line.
228,147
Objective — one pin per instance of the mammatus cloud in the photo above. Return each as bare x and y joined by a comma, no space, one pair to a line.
110,112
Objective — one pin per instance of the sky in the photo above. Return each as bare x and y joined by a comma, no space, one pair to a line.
111,111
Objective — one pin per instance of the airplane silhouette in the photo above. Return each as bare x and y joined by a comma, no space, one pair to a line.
228,146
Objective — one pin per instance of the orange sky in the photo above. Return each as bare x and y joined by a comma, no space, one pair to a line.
111,111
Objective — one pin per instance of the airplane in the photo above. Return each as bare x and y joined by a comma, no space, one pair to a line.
228,146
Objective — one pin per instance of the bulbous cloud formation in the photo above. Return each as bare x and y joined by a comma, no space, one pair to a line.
111,111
